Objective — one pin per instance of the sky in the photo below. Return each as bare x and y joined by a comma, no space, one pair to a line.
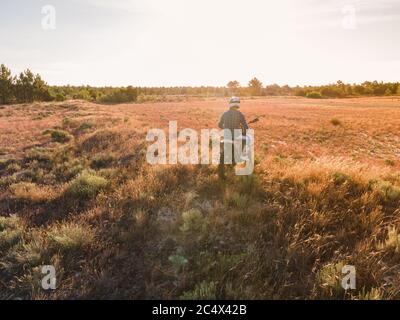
207,42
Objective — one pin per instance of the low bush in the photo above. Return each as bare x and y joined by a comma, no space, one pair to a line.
11,231
60,136
69,237
387,191
86,186
102,161
193,220
237,200
100,140
314,95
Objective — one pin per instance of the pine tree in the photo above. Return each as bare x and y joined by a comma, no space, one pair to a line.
24,91
255,86
6,85
41,90
233,87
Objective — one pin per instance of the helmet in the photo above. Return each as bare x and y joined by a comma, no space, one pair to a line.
234,102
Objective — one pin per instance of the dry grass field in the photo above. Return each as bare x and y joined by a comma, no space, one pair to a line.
76,192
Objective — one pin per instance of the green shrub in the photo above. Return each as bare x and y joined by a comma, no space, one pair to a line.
329,279
69,123
332,92
59,135
249,185
314,95
11,231
120,95
31,253
67,170
237,200
340,178
300,93
373,294
40,155
86,186
387,191
13,167
193,220
4,163
60,97
102,161
35,173
8,222
70,236
85,126
83,94
101,140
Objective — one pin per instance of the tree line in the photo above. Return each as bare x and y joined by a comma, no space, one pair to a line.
28,87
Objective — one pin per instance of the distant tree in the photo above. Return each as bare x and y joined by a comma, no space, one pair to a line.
24,86
121,95
273,90
255,87
132,93
27,87
388,92
359,89
379,90
6,85
41,90
285,90
341,86
83,94
300,92
60,97
349,90
233,84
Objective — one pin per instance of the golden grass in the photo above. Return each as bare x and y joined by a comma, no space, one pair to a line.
26,191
